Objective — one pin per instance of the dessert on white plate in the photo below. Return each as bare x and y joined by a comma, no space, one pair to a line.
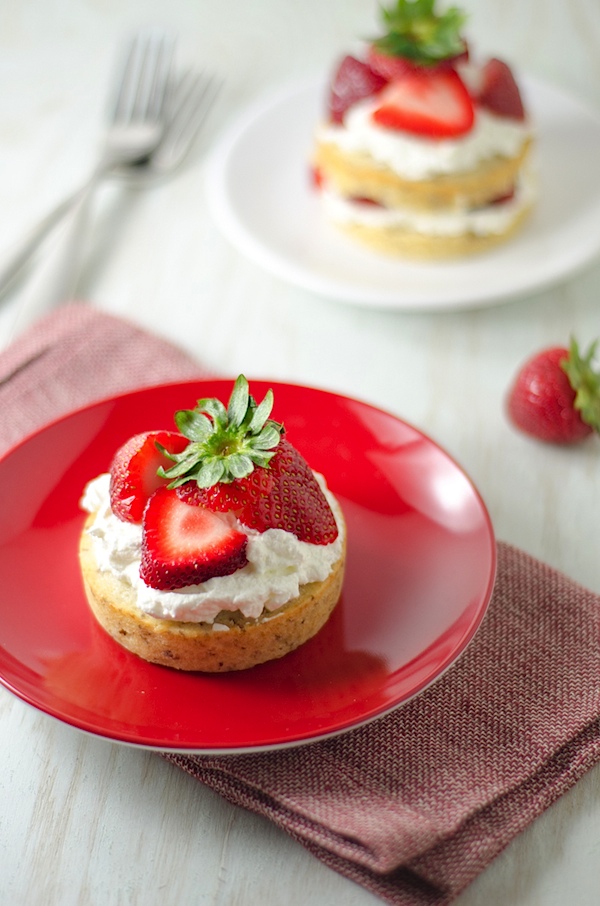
425,151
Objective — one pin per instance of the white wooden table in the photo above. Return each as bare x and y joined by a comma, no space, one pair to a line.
87,822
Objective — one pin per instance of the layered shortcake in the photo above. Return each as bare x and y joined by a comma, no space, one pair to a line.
214,547
424,151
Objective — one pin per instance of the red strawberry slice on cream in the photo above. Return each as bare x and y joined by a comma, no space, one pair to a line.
186,545
434,104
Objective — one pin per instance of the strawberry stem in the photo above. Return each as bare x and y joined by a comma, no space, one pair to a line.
225,443
416,32
585,381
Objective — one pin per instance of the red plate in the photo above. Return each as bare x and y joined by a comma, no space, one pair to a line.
419,576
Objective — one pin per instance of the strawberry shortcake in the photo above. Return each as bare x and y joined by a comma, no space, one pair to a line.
424,151
214,547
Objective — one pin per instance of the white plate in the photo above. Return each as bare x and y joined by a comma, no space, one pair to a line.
260,193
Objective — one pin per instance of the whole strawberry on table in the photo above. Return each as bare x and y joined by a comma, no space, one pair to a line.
555,396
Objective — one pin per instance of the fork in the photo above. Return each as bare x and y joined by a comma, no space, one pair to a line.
188,102
191,100
136,127
193,95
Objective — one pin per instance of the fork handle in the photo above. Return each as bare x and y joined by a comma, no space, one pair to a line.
13,262
66,257
55,280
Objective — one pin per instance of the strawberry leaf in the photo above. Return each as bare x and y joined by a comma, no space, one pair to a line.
210,473
213,408
238,402
268,438
416,32
240,465
225,443
192,424
184,463
261,413
585,381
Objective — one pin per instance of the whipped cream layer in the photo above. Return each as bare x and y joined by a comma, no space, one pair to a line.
278,564
488,220
415,158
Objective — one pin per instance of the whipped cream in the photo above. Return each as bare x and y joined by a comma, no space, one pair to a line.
415,158
278,564
488,220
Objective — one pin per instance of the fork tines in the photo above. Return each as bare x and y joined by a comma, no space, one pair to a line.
146,69
194,95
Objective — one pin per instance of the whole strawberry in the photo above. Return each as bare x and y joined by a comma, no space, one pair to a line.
285,495
556,395
238,462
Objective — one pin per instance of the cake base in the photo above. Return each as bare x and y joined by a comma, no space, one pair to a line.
357,175
349,176
395,241
240,644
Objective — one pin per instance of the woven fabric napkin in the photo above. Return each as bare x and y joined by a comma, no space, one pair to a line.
416,804
75,356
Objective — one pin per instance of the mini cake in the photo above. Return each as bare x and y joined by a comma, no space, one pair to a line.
214,547
424,152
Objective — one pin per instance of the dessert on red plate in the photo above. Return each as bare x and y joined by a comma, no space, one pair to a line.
439,142
214,547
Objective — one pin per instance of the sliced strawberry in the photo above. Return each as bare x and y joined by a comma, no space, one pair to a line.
185,545
507,196
435,104
133,471
352,82
499,91
286,495
368,202
316,177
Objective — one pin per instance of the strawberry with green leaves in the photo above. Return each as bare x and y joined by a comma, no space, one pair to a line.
415,55
413,72
189,487
556,395
238,461
417,34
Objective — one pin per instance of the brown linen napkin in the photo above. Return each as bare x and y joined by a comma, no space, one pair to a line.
416,804
75,356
